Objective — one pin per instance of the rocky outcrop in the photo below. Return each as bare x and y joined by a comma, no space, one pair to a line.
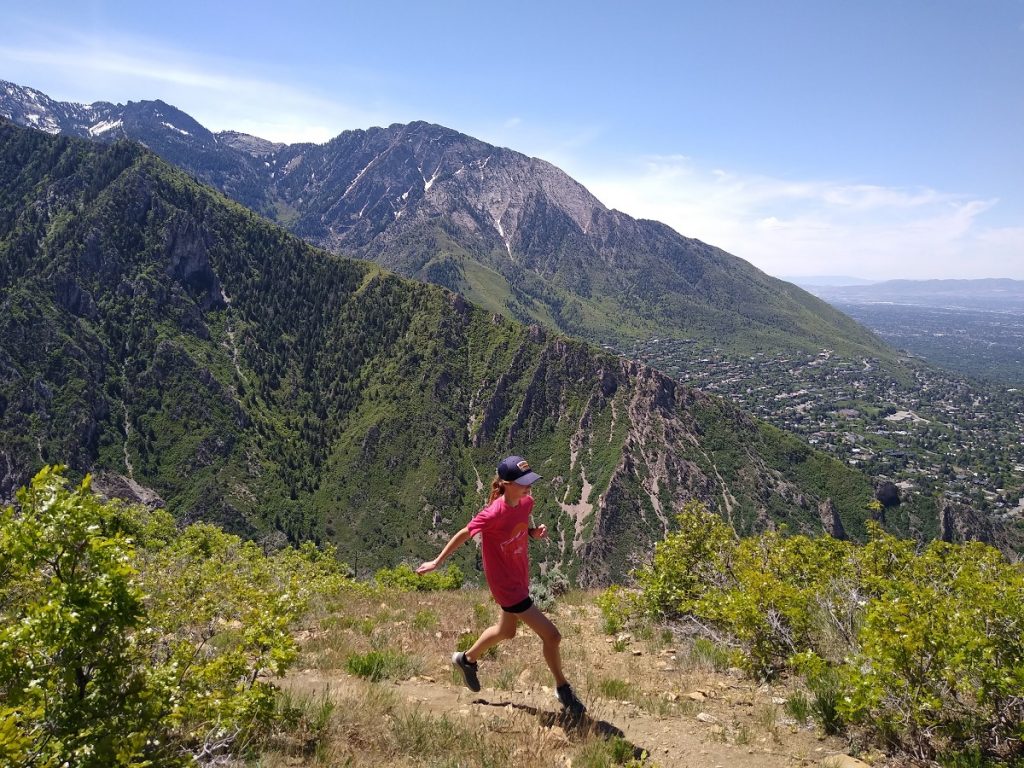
251,145
111,485
73,299
830,519
189,262
12,475
887,493
959,523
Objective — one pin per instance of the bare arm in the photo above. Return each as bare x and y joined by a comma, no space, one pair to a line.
456,541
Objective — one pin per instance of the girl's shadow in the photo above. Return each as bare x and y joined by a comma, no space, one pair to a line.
580,725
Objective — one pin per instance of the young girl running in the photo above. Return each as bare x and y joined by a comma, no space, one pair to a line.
504,525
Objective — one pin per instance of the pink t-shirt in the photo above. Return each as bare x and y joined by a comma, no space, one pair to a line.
505,545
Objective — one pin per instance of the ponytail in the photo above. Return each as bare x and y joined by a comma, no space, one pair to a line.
497,488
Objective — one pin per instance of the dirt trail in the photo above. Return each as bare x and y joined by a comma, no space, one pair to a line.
668,741
653,691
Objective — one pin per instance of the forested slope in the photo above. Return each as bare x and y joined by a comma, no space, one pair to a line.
179,345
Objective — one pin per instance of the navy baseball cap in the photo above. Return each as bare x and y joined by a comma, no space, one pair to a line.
516,469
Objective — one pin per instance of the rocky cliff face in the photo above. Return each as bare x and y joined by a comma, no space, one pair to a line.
830,519
513,233
959,523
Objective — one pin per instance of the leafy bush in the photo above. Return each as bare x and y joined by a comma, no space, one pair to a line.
940,666
616,606
922,650
73,681
548,587
687,563
124,641
404,578
774,594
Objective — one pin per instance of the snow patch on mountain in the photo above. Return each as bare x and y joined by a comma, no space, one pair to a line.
360,175
175,128
104,126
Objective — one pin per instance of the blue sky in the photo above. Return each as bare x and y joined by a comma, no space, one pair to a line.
876,139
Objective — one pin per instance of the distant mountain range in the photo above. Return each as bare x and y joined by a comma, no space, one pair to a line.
513,234
994,294
183,348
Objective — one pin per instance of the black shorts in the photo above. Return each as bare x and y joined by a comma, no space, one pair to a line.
522,605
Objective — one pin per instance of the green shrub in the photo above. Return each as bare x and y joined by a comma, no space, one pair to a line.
123,640
773,594
686,564
548,587
941,662
405,579
74,683
923,650
616,606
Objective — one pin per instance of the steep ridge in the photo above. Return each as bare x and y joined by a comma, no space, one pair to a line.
168,131
177,344
514,234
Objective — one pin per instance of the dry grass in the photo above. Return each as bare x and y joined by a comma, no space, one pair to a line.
417,713
372,727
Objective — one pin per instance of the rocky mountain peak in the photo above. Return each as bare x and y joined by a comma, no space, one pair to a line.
250,145
420,171
32,108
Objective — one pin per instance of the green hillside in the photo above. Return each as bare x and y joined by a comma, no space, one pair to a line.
173,341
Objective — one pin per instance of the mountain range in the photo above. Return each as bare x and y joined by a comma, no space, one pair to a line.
513,234
189,352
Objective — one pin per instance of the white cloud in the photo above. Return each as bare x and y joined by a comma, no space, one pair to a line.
808,227
216,91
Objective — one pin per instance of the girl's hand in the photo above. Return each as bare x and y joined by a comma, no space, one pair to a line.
427,567
540,532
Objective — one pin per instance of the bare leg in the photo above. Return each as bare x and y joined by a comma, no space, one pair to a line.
505,629
534,618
